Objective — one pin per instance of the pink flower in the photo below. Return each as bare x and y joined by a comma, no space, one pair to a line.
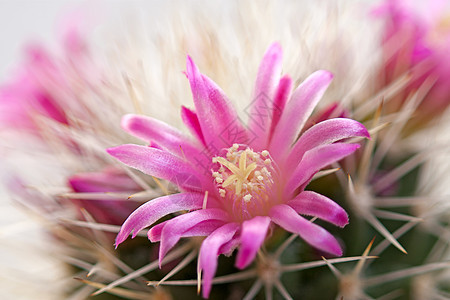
417,40
44,87
236,181
26,98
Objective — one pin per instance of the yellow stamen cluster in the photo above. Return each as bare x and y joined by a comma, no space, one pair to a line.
242,172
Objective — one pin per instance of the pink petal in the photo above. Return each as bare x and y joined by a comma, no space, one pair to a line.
262,108
175,228
154,233
330,111
74,42
107,210
228,248
25,96
153,210
111,210
314,204
325,132
155,145
201,229
286,217
209,252
226,113
316,159
50,107
214,110
252,236
297,111
153,130
158,163
191,121
108,180
282,95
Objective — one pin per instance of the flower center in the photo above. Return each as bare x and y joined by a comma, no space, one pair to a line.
245,178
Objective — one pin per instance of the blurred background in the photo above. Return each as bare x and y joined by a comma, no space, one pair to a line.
22,21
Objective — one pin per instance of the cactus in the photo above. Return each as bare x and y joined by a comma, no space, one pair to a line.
339,199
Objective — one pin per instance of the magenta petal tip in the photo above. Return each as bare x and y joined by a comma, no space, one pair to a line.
325,74
190,66
126,120
275,49
112,151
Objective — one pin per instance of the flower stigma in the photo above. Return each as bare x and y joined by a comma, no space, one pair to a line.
245,179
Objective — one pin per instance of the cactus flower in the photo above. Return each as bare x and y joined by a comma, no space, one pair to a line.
237,181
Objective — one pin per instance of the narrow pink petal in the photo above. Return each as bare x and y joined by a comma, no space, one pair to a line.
209,252
252,236
111,210
191,121
286,217
108,180
330,111
325,132
282,95
313,204
153,130
153,210
158,163
261,110
27,96
155,145
50,107
227,118
228,248
202,229
74,42
215,113
316,159
175,228
297,111
154,233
